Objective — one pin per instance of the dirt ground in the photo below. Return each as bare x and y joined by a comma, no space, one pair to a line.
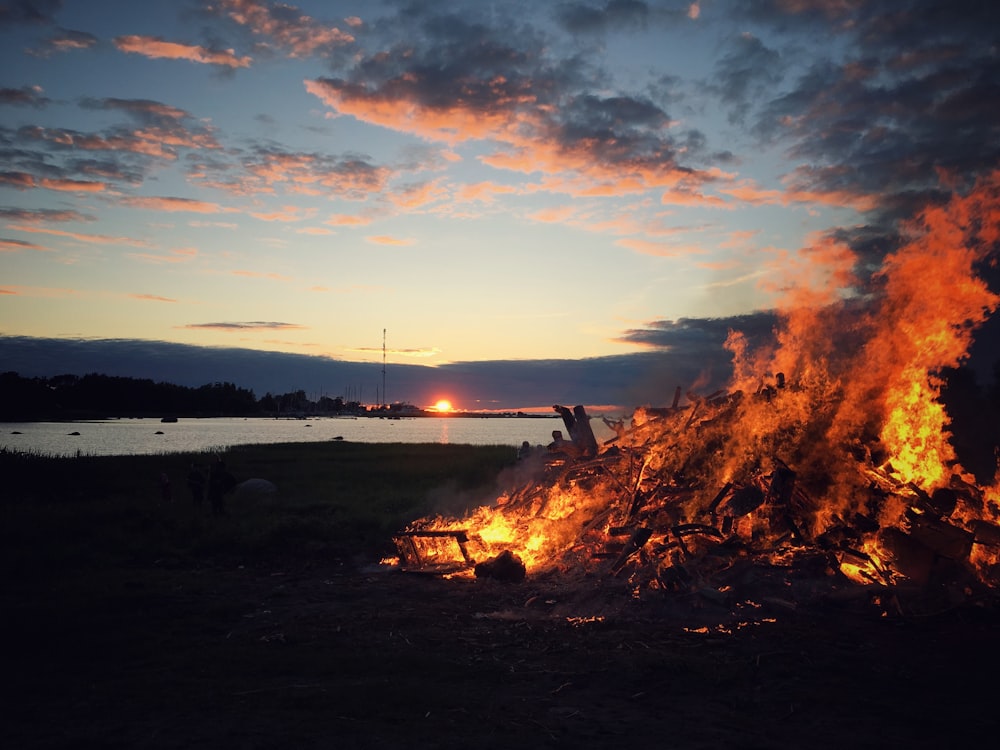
345,654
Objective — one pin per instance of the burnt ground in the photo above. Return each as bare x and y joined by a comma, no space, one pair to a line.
346,655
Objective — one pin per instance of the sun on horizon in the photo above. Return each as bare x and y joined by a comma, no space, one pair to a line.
442,405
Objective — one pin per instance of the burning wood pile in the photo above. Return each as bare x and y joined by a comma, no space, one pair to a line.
653,509
840,476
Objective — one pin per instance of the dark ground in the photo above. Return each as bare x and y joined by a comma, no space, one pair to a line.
343,655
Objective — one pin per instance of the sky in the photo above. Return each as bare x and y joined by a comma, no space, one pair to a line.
509,203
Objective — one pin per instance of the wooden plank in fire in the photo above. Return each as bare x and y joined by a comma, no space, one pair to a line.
413,549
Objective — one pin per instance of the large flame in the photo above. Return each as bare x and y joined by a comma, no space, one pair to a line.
848,396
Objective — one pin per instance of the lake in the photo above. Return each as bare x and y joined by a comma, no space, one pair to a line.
121,437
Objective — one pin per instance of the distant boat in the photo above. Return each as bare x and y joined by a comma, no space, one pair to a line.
169,419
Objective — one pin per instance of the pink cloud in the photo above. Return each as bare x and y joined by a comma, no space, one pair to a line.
155,47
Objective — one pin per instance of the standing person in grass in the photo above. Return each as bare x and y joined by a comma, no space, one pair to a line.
220,481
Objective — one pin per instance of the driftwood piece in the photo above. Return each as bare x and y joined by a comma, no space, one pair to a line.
581,434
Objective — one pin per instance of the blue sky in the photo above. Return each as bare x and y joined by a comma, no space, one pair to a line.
488,182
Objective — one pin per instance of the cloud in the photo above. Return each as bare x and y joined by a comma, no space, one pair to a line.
151,298
459,81
284,26
345,220
43,215
156,47
180,255
385,239
256,325
172,205
25,181
26,96
38,12
93,239
876,128
627,380
285,214
266,168
8,245
66,40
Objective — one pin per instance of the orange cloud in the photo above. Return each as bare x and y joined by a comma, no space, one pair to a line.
155,47
286,214
384,239
318,231
483,192
344,220
416,196
295,31
160,203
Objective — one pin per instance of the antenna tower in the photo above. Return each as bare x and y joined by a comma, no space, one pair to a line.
384,400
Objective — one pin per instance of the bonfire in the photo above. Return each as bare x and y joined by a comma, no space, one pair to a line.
825,464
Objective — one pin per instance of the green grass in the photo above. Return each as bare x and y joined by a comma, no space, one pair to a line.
333,499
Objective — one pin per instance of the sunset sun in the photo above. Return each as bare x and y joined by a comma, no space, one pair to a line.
443,405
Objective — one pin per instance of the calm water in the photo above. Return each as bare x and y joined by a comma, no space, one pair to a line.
149,436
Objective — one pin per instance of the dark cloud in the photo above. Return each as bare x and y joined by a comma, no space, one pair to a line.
42,215
580,17
455,71
748,71
28,11
26,96
244,326
627,380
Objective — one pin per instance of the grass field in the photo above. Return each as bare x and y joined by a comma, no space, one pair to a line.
331,498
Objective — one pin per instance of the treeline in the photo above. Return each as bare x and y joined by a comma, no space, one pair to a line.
94,396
